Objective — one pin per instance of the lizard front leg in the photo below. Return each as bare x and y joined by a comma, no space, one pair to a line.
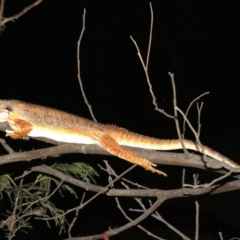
20,126
109,144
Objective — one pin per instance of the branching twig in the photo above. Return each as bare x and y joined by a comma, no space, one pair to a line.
102,191
124,213
189,107
43,199
157,216
189,124
154,100
194,132
145,66
213,182
145,214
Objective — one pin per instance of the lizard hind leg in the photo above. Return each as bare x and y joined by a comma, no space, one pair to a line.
109,144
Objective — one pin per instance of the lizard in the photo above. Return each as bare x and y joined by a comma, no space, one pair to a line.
30,120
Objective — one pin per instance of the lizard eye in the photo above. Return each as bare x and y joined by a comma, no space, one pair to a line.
9,109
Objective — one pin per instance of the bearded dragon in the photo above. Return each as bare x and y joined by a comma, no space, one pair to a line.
29,120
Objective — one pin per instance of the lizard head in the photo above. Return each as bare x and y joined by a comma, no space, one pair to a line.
5,109
11,121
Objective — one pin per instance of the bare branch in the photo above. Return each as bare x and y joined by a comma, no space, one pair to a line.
167,158
167,194
18,15
158,157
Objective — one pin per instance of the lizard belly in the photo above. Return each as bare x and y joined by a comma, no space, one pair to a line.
61,135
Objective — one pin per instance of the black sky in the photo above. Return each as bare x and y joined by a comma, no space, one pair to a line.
199,41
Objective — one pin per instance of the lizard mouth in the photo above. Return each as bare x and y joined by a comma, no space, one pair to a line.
4,115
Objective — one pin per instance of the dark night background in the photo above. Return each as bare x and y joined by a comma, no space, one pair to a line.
199,41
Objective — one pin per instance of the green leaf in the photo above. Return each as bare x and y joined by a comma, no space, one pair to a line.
82,170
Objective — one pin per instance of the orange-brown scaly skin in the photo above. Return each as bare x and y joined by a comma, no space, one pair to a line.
23,118
33,120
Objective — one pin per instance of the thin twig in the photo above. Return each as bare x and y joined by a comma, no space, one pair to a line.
157,216
195,134
154,100
145,67
221,236
183,176
112,172
79,69
176,115
134,184
145,214
44,199
103,191
6,146
16,16
189,124
150,37
76,216
213,182
199,109
189,107
197,221
1,13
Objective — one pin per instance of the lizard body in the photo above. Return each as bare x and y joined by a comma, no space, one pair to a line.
31,120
